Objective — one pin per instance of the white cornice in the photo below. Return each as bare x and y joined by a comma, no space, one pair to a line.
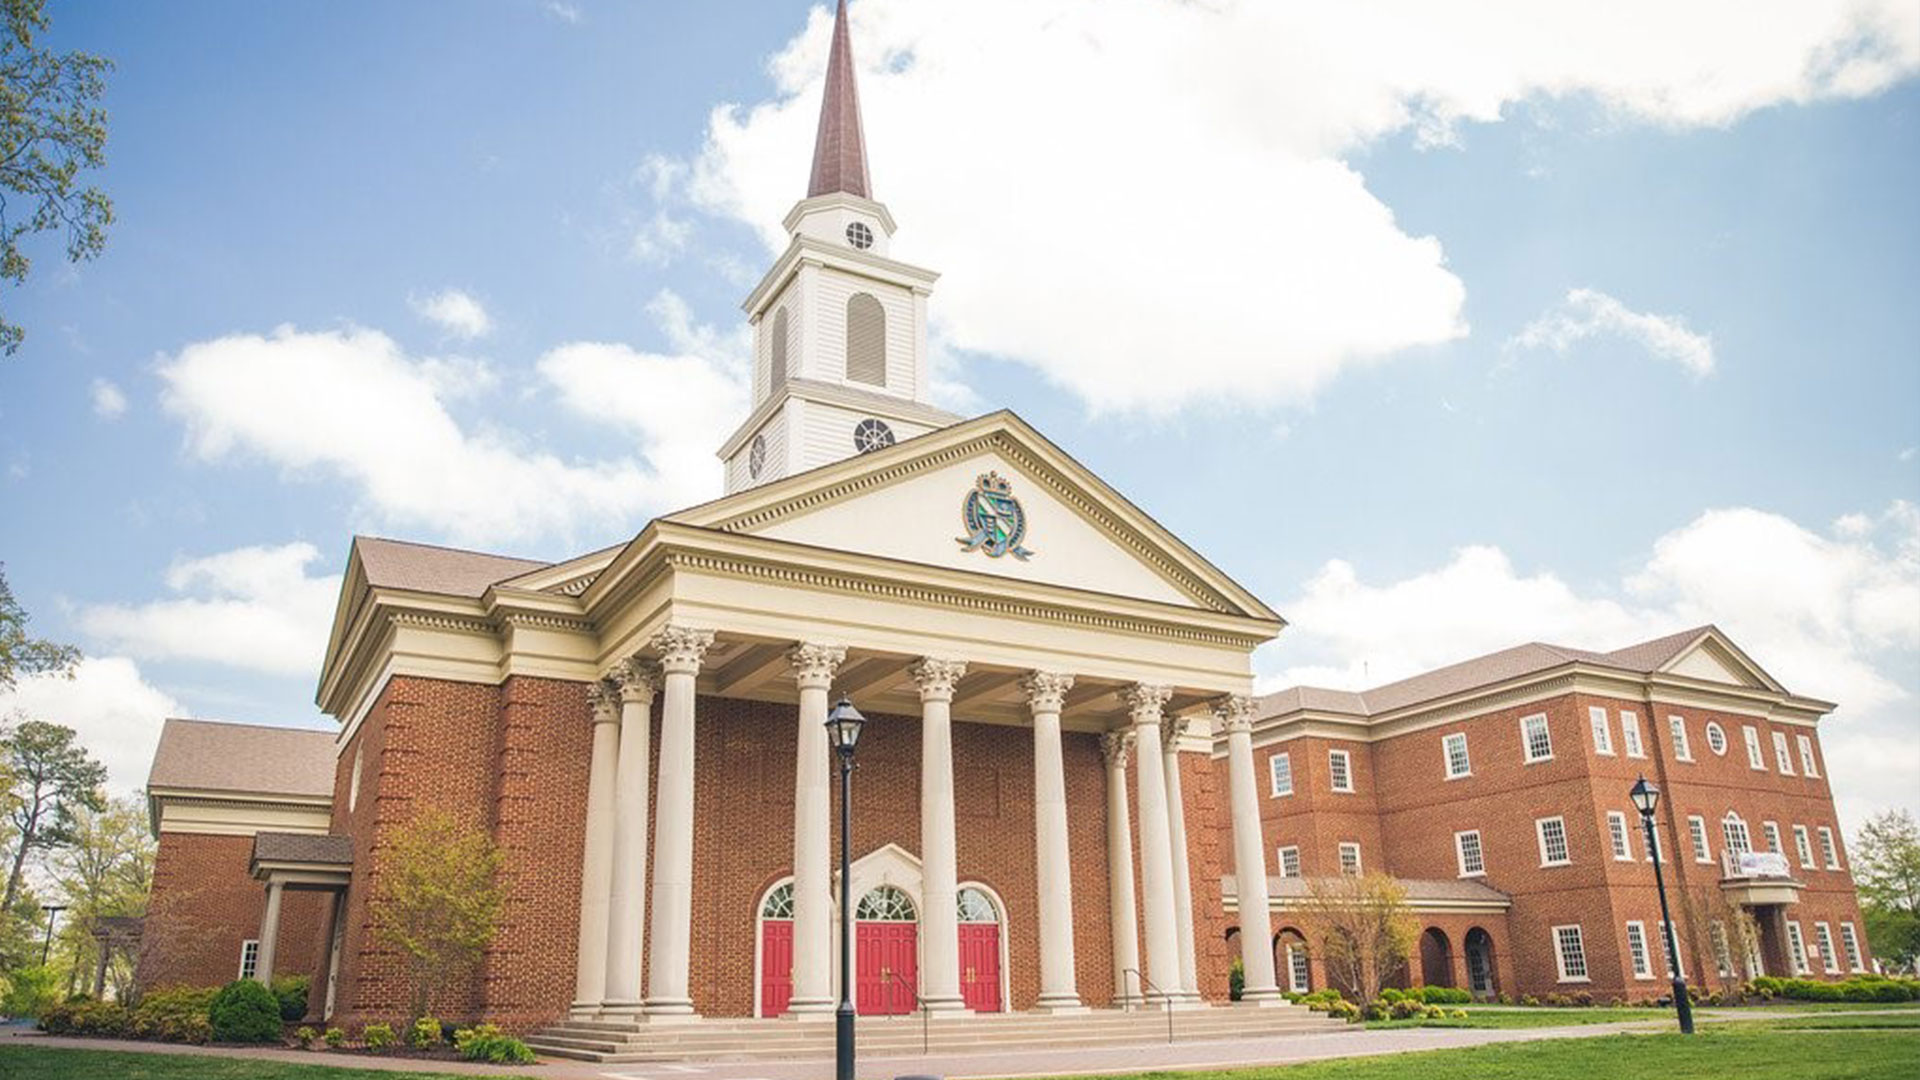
806,249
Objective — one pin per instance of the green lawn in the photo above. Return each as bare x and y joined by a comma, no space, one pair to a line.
1532,1018
43,1063
1888,1020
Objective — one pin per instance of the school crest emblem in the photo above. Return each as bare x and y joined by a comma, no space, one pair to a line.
994,519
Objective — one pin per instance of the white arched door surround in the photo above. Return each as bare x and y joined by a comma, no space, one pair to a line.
992,898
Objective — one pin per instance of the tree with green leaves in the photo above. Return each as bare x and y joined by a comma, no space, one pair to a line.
105,871
1886,871
438,900
52,127
21,654
53,779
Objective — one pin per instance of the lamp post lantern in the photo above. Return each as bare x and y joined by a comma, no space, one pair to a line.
843,731
1645,797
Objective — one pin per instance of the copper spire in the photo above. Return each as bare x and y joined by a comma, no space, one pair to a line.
839,148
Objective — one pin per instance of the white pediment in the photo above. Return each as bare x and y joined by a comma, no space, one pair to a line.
1712,659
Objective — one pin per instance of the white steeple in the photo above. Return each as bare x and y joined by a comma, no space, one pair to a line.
840,329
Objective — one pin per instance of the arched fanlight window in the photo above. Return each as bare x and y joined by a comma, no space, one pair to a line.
866,340
975,907
1735,830
779,903
885,904
777,365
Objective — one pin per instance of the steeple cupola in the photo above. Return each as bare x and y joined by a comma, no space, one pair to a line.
840,327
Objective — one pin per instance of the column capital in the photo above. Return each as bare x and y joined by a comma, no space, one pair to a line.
681,649
935,677
604,695
638,679
814,665
1171,728
1046,690
1117,746
1144,701
1235,712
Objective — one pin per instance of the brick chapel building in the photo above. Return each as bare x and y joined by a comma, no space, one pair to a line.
1067,799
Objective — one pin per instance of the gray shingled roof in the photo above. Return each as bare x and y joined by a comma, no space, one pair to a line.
252,758
398,564
1643,658
302,848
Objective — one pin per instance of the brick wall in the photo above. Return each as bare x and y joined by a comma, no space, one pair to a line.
206,903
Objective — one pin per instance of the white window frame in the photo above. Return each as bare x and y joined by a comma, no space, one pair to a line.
1803,846
1280,858
1716,738
1621,836
1782,757
1829,956
249,958
1756,760
1732,825
1566,845
1344,769
1809,765
1665,958
1358,868
1447,745
1682,746
1299,975
1797,949
1697,832
1479,853
1602,730
1277,765
1850,939
1637,951
1561,939
1829,849
1526,738
1630,740
1722,948
1771,830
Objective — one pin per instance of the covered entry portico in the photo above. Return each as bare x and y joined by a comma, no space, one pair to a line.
302,862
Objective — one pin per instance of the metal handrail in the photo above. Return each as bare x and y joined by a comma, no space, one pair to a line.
1166,1002
919,1006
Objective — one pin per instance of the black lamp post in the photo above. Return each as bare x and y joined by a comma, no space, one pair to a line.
52,910
1645,797
843,729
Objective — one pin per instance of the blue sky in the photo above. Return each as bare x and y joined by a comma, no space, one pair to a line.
1440,330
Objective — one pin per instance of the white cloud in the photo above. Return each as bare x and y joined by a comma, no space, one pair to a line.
351,404
1589,313
109,401
1153,204
566,13
1831,616
256,608
660,238
455,312
116,712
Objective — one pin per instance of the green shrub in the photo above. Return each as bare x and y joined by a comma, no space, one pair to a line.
1344,1009
425,1033
291,992
305,1036
102,1019
486,1042
245,1012
377,1036
1323,995
1392,994
1529,1001
30,990
335,1038
1405,1009
1444,995
1457,1014
174,1014
1376,1010
1236,980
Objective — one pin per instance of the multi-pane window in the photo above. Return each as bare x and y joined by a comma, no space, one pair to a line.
1781,759
1467,845
1666,930
1340,767
1829,854
1455,748
1602,730
249,957
1804,846
1716,738
1852,942
1617,832
1697,828
1290,861
1735,832
1299,976
1630,734
1535,737
1772,831
1570,953
1682,750
1637,950
1807,763
1823,937
1553,841
1280,773
1722,949
1797,949
1350,859
1754,757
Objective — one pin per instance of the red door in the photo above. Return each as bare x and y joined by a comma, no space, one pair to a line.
886,958
980,966
776,966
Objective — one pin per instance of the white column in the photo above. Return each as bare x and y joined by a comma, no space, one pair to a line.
1156,851
939,865
1126,928
638,682
1046,694
596,862
269,935
681,650
813,670
1249,854
1170,730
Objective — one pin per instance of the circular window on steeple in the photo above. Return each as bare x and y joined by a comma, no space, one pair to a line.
757,456
871,435
859,235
